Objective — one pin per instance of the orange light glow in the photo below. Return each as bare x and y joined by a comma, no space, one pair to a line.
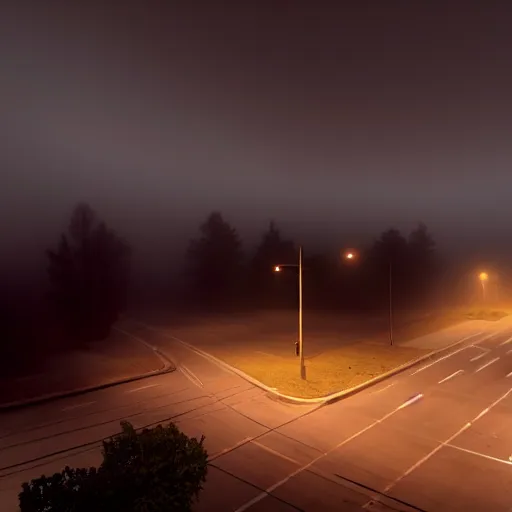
277,269
483,276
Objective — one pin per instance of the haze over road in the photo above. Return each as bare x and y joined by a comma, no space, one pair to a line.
437,437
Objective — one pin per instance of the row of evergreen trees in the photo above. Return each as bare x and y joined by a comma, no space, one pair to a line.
89,272
219,270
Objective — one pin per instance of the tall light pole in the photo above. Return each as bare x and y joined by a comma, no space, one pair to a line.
300,347
390,302
301,340
484,277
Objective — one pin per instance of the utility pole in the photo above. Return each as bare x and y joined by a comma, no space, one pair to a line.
390,303
301,341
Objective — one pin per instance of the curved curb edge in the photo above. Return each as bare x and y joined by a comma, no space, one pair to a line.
167,367
320,400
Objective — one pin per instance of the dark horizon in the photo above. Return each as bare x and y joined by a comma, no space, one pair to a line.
336,122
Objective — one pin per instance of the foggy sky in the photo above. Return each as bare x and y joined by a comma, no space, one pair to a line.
337,122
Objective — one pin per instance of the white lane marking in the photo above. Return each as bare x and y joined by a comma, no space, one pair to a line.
481,348
509,351
491,336
506,342
440,359
384,389
451,376
409,402
483,455
437,448
424,459
273,487
140,340
482,413
71,407
510,374
274,452
479,356
229,449
143,387
191,376
486,364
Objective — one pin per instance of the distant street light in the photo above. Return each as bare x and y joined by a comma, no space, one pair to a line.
300,343
484,277
348,255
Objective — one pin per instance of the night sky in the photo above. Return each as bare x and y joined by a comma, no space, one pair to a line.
337,122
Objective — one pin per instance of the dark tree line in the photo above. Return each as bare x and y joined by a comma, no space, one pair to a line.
223,274
89,272
89,275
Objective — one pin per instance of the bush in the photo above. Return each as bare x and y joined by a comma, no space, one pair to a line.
156,470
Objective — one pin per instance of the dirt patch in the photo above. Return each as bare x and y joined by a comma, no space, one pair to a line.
341,351
329,372
116,358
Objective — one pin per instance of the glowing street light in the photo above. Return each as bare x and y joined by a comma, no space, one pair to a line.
348,255
277,268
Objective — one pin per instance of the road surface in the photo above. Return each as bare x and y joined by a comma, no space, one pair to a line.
436,438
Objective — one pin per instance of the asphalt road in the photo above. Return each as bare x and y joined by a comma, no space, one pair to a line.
436,438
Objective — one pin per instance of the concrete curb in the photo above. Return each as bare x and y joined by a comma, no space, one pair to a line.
167,367
325,399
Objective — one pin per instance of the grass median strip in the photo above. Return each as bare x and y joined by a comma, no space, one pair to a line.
332,371
341,351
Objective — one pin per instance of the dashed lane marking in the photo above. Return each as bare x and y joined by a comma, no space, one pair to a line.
143,387
454,374
487,364
77,406
272,488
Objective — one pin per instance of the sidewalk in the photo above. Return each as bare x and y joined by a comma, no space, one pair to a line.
118,358
441,339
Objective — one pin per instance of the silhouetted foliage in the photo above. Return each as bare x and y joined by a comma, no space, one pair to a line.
215,260
271,288
423,263
411,262
10,346
388,255
89,275
156,470
322,282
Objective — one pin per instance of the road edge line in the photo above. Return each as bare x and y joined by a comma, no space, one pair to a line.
320,400
167,367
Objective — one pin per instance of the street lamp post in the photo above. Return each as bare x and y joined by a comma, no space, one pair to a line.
484,277
301,340
277,268
390,303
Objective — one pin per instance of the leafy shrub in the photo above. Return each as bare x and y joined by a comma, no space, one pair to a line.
156,470
71,490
